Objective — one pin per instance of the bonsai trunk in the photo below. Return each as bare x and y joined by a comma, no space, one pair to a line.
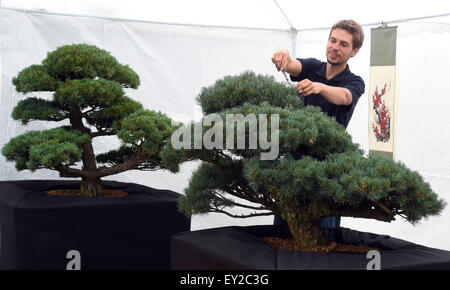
303,221
91,186
307,233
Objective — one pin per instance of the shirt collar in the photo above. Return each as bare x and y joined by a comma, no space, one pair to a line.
340,77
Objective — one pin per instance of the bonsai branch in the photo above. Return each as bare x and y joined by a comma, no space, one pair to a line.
92,109
57,118
384,208
369,213
66,171
240,187
243,191
242,215
103,133
233,203
132,163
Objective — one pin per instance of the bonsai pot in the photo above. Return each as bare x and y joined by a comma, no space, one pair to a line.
241,248
40,231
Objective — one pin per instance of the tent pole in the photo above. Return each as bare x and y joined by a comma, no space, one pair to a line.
292,30
285,16
144,21
294,44
385,22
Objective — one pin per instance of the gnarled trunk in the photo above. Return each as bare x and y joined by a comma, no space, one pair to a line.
307,233
91,186
303,221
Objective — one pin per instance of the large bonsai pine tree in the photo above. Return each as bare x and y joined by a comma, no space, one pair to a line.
88,85
332,178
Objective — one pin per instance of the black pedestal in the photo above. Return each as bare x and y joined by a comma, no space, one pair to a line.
37,231
240,248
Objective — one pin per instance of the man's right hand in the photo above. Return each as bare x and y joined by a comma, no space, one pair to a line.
284,62
281,59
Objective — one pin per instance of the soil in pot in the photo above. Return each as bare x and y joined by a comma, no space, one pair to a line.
289,244
77,192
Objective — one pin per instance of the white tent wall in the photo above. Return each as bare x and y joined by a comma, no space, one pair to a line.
175,62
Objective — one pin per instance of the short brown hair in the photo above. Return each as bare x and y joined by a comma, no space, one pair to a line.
354,29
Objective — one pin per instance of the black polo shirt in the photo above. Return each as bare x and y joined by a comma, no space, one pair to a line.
315,71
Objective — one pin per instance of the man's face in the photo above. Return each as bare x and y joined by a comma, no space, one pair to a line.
340,47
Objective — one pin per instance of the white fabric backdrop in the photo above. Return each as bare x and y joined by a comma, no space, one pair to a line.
175,62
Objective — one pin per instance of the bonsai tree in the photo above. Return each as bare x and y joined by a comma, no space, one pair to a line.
88,91
333,177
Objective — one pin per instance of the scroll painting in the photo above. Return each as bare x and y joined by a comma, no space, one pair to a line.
382,91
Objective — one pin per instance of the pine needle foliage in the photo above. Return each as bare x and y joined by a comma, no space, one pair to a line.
333,176
87,85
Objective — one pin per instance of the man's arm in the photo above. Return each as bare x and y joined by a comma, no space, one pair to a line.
284,62
335,95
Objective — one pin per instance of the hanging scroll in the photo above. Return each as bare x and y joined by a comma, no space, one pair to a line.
382,91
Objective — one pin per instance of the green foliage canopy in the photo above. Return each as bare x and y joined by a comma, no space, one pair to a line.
88,90
332,178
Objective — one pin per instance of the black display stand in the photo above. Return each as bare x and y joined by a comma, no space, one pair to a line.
240,248
37,231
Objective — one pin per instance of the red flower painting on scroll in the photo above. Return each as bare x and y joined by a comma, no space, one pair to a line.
382,126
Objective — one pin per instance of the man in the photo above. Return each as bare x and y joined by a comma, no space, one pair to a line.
329,85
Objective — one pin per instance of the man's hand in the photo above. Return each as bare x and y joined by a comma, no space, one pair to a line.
335,95
284,62
307,87
281,59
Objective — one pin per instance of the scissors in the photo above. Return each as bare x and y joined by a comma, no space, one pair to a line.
289,81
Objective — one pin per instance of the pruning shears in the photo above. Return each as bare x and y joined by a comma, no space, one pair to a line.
287,79
290,83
